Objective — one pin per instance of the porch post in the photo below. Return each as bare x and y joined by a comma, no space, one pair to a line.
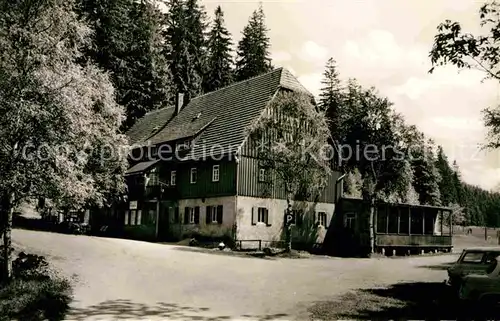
157,218
387,211
399,219
423,222
409,220
441,217
451,223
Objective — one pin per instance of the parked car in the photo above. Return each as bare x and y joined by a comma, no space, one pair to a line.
74,228
471,261
482,288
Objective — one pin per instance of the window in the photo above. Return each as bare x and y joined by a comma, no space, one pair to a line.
322,219
153,178
193,175
192,215
127,218
215,173
138,218
262,175
491,256
417,221
492,266
214,214
132,217
473,257
173,176
381,219
393,220
260,215
350,220
404,221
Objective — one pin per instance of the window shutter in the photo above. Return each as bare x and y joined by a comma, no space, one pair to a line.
254,216
197,215
315,219
186,215
219,214
208,215
267,217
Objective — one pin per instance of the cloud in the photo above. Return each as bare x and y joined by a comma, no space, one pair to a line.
311,51
281,56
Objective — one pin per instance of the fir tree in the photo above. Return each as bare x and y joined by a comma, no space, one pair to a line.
253,49
446,185
331,97
219,62
196,31
184,64
125,43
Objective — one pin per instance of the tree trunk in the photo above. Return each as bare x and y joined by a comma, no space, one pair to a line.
371,225
288,228
7,239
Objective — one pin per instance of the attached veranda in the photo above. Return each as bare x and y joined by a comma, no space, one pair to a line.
412,229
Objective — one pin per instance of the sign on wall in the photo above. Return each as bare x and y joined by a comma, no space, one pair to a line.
133,205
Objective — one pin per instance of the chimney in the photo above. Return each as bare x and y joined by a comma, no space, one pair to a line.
179,103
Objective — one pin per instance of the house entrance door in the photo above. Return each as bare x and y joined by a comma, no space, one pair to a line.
166,214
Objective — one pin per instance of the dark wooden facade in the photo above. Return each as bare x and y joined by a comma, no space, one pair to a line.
399,229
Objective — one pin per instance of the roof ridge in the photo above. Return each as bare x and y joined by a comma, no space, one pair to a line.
157,110
241,81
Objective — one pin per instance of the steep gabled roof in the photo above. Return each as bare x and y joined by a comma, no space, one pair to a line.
218,120
149,125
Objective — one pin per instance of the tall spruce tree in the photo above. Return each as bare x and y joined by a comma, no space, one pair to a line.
331,97
426,180
181,34
447,186
219,62
125,43
253,49
196,32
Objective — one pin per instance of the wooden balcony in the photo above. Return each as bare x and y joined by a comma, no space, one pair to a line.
395,240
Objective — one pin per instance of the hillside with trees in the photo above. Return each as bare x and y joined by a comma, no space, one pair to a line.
400,164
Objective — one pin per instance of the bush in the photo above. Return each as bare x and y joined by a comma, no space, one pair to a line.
33,294
35,299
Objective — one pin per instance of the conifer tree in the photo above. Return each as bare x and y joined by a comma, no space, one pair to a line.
253,49
219,62
447,187
125,43
331,97
181,34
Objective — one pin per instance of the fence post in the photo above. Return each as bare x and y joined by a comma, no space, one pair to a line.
486,233
260,245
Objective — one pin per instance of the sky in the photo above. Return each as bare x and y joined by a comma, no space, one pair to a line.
386,43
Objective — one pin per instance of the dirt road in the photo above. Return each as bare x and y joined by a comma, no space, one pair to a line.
122,279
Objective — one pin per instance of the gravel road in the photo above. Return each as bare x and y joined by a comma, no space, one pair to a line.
118,279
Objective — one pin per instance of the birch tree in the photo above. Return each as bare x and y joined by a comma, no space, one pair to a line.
293,144
58,119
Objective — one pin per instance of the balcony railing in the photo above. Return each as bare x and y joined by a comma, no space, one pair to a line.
412,240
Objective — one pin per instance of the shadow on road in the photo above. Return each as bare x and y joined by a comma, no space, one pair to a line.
126,309
257,255
402,301
440,267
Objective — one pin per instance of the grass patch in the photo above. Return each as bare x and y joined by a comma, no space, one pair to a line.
36,299
35,293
